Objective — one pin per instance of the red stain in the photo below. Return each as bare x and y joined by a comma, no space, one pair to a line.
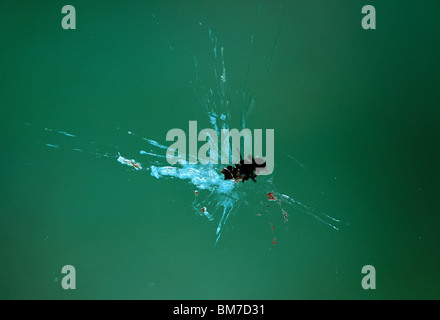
274,240
272,196
284,215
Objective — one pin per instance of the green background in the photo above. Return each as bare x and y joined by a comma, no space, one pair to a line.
358,108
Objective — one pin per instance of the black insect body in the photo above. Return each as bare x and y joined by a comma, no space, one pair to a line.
242,171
